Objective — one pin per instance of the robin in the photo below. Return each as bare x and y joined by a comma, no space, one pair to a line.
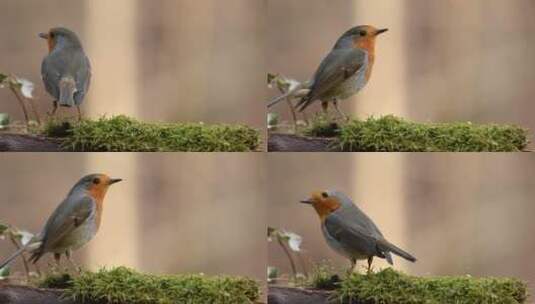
350,232
74,222
345,70
66,71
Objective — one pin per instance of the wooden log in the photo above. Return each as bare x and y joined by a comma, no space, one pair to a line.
28,143
290,295
278,142
11,294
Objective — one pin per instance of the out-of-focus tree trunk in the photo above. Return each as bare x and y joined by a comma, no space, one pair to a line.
114,55
385,93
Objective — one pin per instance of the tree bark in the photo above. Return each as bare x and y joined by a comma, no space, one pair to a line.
28,143
278,142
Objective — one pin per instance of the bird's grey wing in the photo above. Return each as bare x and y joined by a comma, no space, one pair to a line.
339,65
80,64
51,76
70,214
353,236
364,221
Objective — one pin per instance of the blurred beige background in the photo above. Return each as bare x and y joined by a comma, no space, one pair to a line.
457,213
441,60
173,213
159,60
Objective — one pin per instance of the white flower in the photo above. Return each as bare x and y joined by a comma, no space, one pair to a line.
26,87
294,240
25,237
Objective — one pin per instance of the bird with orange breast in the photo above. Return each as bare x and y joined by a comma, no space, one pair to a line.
344,71
66,70
350,232
74,222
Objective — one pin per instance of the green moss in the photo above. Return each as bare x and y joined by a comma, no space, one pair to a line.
322,126
124,134
322,277
56,281
392,287
123,285
392,134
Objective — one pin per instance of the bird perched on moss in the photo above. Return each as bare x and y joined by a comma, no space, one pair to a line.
344,71
349,231
74,222
66,70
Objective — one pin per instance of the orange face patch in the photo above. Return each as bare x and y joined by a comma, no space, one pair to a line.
51,42
367,43
98,191
324,205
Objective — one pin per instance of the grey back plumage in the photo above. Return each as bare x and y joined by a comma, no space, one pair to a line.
67,60
340,65
357,233
353,228
73,212
350,210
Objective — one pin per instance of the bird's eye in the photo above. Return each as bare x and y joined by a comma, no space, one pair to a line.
96,180
52,35
325,194
362,33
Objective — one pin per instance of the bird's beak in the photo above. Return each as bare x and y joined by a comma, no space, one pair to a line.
43,35
114,180
379,32
307,201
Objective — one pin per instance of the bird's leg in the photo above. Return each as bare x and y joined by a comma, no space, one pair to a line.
57,258
305,117
370,261
340,113
54,109
37,269
353,262
79,113
292,110
325,107
290,105
71,261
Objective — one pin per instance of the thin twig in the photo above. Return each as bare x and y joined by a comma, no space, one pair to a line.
21,101
24,261
303,264
35,113
292,263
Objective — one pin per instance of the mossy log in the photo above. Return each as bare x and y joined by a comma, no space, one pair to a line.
393,287
124,134
393,134
123,285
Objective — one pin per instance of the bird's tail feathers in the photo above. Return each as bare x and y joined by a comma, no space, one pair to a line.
67,88
303,103
30,246
386,246
388,257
